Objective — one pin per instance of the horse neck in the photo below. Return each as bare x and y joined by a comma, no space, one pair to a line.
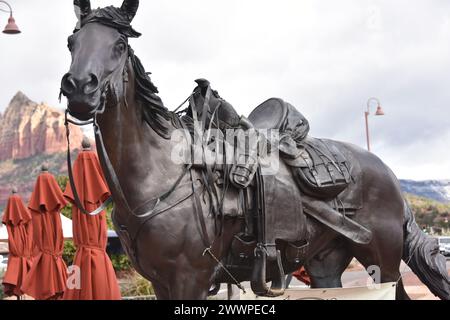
140,157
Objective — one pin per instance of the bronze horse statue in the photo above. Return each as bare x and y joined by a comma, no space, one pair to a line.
160,212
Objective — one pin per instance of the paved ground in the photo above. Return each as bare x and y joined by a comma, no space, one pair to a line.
357,276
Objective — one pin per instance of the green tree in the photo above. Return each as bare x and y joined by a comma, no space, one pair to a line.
62,182
69,252
120,262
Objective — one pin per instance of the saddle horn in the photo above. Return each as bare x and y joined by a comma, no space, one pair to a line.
130,7
85,8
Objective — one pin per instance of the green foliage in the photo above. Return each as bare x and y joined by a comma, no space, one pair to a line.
69,252
20,172
120,262
429,213
67,211
62,182
109,222
135,285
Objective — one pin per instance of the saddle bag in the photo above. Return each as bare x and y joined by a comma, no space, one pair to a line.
320,169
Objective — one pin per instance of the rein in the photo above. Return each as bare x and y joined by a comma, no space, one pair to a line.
77,200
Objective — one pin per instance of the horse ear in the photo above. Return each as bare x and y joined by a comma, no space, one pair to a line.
84,6
130,7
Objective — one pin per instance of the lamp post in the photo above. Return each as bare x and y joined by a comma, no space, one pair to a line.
379,112
11,27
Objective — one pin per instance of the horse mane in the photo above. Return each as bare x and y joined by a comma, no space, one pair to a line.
153,110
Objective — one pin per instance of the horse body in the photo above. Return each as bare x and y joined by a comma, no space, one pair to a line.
169,248
383,214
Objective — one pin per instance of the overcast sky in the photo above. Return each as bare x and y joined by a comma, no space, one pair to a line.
325,57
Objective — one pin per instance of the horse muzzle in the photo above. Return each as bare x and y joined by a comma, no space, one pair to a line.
81,110
83,95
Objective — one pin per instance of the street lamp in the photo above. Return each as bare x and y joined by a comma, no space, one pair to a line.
11,27
379,112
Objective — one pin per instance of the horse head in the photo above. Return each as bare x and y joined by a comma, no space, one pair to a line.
100,51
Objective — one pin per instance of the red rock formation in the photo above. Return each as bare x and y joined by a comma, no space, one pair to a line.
28,129
31,134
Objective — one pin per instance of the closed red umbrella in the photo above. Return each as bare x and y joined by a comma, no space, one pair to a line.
47,277
17,219
98,279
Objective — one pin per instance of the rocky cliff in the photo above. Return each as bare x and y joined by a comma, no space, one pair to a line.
28,129
30,134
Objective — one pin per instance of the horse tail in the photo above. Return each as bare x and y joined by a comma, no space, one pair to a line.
421,253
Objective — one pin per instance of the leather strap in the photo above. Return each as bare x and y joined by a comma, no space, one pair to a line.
200,217
76,197
199,131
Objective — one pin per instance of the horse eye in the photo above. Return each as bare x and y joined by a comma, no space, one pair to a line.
121,47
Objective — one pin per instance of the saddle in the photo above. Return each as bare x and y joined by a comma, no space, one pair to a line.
321,171
319,168
327,174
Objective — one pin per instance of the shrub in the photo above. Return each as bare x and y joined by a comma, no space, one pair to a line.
134,285
120,262
429,213
69,252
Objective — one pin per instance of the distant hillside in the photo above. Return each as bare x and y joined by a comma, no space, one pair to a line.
22,173
428,212
438,190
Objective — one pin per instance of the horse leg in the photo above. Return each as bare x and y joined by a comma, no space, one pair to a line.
161,292
389,272
384,253
378,256
190,284
326,267
400,293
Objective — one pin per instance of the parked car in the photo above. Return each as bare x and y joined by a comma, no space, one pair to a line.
444,245
3,263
